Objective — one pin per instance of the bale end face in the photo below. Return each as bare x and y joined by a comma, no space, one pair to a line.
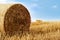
17,18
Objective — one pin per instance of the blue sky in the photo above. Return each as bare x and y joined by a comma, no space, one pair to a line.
40,9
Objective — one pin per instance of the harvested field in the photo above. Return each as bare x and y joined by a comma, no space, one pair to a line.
38,31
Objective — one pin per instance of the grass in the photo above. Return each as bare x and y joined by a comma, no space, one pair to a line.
39,30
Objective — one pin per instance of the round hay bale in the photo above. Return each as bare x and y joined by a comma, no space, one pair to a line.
14,18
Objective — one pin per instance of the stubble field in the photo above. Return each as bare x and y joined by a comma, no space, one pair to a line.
39,30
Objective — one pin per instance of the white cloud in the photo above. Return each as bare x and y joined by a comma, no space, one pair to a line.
35,0
54,6
3,1
7,1
34,5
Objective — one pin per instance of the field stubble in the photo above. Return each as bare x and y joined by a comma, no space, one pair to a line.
39,30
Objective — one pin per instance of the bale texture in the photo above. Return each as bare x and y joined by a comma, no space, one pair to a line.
16,19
